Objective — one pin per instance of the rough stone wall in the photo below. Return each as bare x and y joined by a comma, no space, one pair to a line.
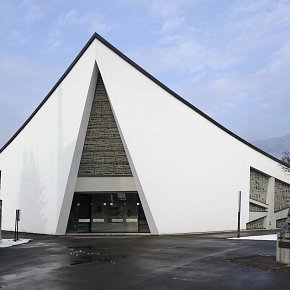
255,208
282,195
103,152
258,186
268,197
256,224
258,192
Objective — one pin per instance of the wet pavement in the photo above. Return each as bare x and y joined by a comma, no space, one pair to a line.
138,262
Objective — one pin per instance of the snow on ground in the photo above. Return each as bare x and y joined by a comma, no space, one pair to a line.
258,238
4,243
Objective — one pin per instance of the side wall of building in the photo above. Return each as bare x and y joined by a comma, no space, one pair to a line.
36,165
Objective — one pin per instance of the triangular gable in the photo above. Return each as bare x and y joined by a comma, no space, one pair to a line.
98,37
103,152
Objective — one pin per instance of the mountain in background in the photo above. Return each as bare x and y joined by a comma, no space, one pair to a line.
274,146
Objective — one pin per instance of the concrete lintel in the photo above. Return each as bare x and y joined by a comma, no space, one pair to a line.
255,202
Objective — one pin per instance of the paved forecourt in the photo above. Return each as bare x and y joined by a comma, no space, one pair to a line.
201,261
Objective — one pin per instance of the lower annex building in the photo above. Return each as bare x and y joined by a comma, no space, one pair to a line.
113,150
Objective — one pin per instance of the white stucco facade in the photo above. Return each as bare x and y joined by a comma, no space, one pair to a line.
187,170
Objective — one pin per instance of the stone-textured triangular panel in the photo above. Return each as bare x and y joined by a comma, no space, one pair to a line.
103,153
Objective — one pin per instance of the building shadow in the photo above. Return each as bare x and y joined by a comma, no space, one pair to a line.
32,200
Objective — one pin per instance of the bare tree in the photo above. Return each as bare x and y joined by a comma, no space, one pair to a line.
286,159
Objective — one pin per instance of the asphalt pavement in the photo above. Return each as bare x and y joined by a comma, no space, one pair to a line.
198,261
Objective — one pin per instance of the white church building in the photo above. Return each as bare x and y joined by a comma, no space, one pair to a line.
113,150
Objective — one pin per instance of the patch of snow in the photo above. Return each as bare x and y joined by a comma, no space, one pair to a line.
4,243
258,238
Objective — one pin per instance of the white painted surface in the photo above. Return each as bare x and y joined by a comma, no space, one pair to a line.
187,170
281,214
36,165
270,220
93,184
76,159
257,215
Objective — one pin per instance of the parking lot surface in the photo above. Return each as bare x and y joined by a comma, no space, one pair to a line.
198,261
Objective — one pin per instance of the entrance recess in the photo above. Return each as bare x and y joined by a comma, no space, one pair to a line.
114,212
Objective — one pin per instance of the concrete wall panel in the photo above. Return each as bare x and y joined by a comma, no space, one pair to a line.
36,165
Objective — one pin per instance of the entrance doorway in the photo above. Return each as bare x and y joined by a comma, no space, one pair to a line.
113,212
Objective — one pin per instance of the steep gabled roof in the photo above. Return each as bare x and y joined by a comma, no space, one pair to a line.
140,69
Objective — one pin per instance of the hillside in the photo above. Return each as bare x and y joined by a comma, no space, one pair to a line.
274,146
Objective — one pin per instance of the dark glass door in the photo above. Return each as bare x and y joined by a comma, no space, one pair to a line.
115,216
113,212
80,215
99,206
131,213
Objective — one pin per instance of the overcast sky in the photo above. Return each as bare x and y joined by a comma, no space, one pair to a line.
231,59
